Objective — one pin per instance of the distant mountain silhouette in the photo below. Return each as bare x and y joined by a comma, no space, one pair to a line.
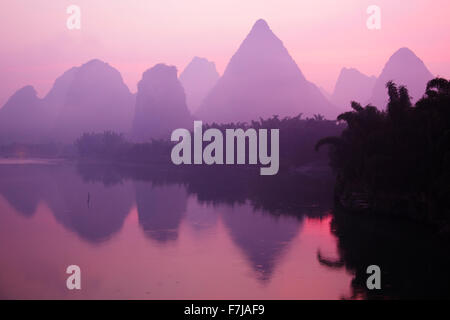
198,78
325,93
160,104
404,68
352,85
56,97
93,97
23,118
261,80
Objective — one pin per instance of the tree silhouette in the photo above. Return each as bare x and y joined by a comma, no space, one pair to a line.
396,161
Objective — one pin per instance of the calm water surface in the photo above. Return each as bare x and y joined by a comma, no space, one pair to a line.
137,239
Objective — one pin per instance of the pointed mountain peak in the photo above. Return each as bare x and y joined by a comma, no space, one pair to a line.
94,62
198,78
353,73
261,44
404,52
260,26
261,80
261,31
352,85
22,98
405,56
27,91
404,67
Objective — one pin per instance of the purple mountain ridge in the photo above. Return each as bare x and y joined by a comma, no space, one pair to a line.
325,93
352,85
56,97
404,68
23,118
89,98
262,80
160,104
197,79
96,100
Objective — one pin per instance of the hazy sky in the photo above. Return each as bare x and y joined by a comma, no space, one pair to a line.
132,35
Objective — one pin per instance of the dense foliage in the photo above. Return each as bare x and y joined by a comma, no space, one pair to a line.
111,146
398,160
297,139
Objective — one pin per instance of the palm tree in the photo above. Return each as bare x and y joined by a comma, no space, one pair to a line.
401,156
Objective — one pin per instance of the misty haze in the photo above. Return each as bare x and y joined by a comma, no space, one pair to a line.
359,174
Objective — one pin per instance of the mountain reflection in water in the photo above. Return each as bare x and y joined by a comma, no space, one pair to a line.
160,233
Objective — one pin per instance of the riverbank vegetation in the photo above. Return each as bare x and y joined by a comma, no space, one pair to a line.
396,161
297,139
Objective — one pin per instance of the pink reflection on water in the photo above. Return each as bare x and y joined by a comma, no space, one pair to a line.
205,262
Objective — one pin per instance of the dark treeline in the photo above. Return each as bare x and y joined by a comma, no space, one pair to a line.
396,161
297,140
111,146
303,182
292,193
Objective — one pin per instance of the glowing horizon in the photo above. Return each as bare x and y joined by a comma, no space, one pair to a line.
134,35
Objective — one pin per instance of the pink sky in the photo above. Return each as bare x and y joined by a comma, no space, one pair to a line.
132,35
